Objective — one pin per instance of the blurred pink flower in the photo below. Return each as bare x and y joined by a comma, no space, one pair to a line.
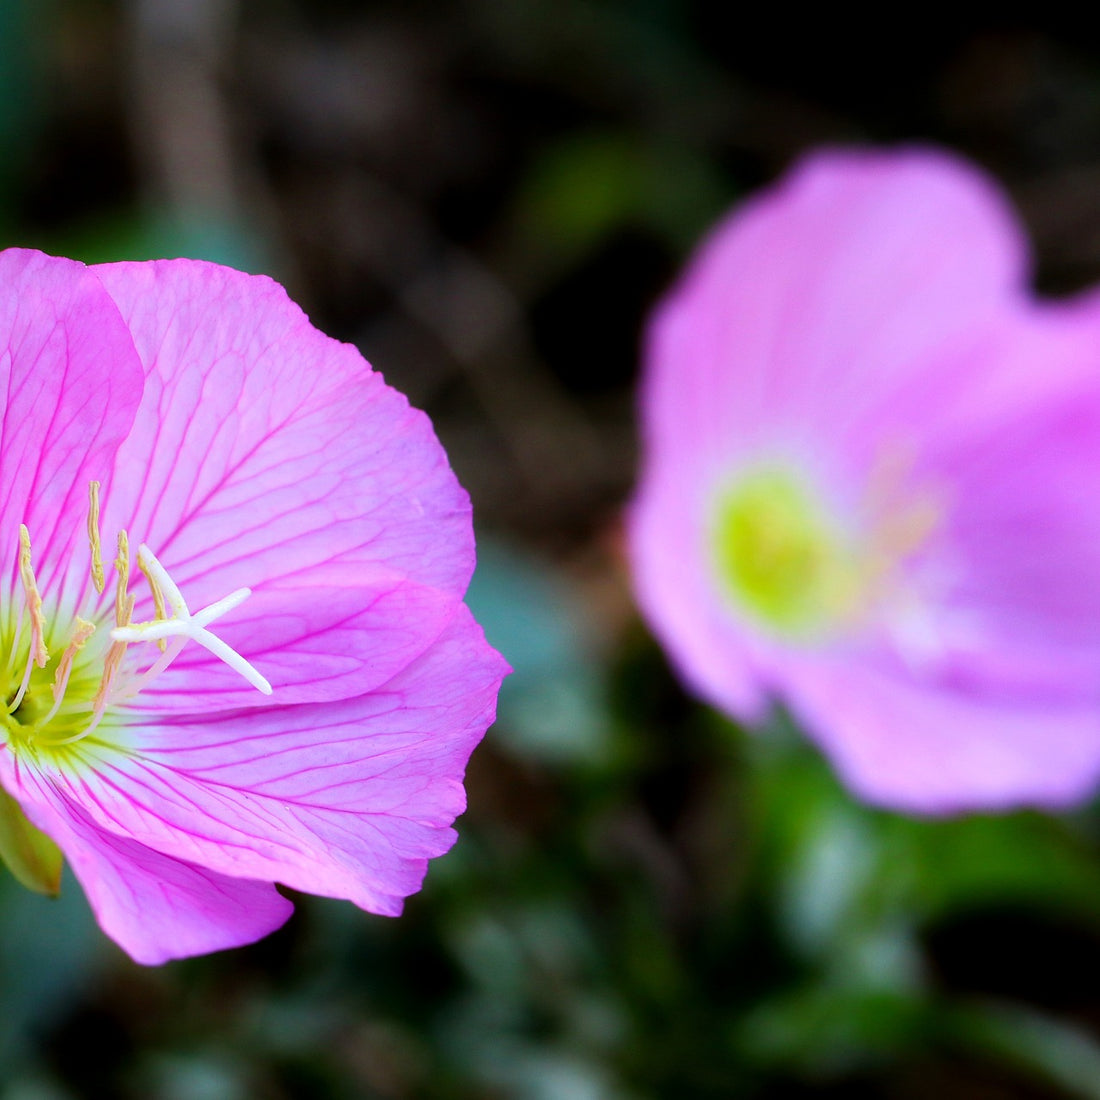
199,409
871,485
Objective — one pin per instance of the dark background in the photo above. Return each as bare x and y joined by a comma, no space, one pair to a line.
487,196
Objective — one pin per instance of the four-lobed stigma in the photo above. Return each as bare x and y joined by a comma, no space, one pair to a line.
51,708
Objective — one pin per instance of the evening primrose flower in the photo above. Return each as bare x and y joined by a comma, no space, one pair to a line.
232,570
870,485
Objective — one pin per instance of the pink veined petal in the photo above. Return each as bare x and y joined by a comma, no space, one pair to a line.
155,907
312,643
71,383
348,800
914,747
812,302
300,468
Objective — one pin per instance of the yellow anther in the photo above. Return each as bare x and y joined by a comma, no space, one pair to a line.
34,600
82,632
158,600
124,605
910,528
124,609
110,666
93,536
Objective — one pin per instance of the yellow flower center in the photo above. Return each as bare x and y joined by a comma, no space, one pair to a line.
792,563
65,677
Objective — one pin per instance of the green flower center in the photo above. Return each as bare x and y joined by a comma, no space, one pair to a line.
781,555
49,714
44,711
799,569
63,678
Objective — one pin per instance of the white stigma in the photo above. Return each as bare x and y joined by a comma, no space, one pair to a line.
183,624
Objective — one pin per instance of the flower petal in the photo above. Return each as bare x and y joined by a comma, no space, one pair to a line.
677,593
305,469
913,747
153,906
349,800
72,383
812,303
1012,583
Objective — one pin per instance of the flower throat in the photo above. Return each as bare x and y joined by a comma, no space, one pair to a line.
790,563
62,679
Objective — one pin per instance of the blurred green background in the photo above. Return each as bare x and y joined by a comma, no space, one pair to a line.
487,196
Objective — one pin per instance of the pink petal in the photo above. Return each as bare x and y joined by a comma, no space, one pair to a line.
914,747
676,592
301,470
72,383
155,907
814,302
1020,562
349,799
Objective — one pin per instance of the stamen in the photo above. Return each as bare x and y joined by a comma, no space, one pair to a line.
124,608
37,652
14,651
111,661
172,620
84,630
122,567
110,667
158,599
93,537
908,529
186,625
136,687
13,706
40,654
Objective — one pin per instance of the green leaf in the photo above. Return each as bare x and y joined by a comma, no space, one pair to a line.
31,856
1054,1051
826,1032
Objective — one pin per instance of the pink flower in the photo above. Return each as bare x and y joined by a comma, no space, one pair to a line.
291,691
871,485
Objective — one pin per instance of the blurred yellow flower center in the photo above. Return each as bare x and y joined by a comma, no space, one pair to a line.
795,567
782,557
